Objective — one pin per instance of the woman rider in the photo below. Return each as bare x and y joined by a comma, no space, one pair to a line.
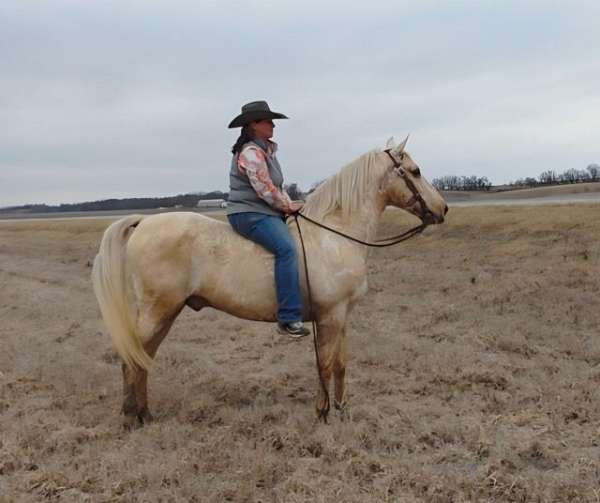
258,204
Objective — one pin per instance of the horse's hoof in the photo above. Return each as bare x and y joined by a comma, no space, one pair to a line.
131,423
145,417
342,409
322,414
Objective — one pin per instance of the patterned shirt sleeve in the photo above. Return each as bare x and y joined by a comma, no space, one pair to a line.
252,162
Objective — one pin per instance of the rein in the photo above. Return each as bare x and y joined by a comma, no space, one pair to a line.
322,413
380,243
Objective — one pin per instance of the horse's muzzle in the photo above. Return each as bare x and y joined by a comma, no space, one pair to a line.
432,218
428,217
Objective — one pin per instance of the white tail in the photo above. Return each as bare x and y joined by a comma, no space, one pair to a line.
111,289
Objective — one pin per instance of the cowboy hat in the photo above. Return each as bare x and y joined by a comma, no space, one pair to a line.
255,111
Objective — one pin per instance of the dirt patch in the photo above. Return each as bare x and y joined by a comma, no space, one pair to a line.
473,376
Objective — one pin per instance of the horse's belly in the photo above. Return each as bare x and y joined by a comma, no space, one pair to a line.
248,303
239,281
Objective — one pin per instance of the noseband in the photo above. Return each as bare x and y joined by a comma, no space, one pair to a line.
424,210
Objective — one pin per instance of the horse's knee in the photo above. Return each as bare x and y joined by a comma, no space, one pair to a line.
339,372
339,368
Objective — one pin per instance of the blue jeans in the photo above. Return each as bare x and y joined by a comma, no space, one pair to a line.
272,233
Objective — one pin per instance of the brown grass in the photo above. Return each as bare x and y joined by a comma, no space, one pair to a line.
473,376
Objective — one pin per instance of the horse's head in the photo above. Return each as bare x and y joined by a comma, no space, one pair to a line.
405,187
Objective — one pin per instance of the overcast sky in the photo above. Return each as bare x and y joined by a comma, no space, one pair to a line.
103,99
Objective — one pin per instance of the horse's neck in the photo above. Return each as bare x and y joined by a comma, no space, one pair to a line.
359,218
362,223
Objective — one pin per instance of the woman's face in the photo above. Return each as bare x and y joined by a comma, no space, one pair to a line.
263,129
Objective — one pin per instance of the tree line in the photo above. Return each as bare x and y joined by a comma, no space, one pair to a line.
453,182
132,203
448,182
137,203
548,177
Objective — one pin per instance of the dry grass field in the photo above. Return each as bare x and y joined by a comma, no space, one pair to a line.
474,374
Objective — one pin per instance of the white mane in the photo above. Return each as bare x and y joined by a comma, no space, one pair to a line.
345,190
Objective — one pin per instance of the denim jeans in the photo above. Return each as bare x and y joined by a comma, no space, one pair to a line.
272,233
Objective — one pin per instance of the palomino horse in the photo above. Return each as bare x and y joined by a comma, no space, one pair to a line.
149,268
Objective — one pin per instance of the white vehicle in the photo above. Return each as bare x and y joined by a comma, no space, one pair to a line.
211,203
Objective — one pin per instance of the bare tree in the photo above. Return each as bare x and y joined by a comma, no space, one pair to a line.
438,183
530,182
548,177
453,182
294,191
570,176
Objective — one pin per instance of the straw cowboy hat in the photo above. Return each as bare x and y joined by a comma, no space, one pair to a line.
255,111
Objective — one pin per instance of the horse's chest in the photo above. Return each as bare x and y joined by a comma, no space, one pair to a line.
345,283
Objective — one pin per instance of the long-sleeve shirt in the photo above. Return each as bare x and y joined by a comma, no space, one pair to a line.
251,161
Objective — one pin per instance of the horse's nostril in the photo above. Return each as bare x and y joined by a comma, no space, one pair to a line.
445,209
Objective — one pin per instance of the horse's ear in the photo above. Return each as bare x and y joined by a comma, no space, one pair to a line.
400,148
390,143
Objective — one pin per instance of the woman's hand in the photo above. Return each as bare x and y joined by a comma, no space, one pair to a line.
296,206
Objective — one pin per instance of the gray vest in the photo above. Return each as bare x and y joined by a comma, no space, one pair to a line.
242,196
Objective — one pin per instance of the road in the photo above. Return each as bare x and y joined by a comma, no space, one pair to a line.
585,197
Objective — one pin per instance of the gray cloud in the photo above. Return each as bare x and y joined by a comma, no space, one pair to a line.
116,99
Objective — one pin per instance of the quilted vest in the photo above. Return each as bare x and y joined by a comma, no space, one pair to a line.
242,196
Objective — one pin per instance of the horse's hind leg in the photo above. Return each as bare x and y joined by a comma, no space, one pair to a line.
135,380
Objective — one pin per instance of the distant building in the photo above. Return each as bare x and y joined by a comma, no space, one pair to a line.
212,203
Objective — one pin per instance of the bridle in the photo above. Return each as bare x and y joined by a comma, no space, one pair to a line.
424,210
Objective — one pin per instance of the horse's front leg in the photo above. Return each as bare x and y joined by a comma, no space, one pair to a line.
339,372
330,331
